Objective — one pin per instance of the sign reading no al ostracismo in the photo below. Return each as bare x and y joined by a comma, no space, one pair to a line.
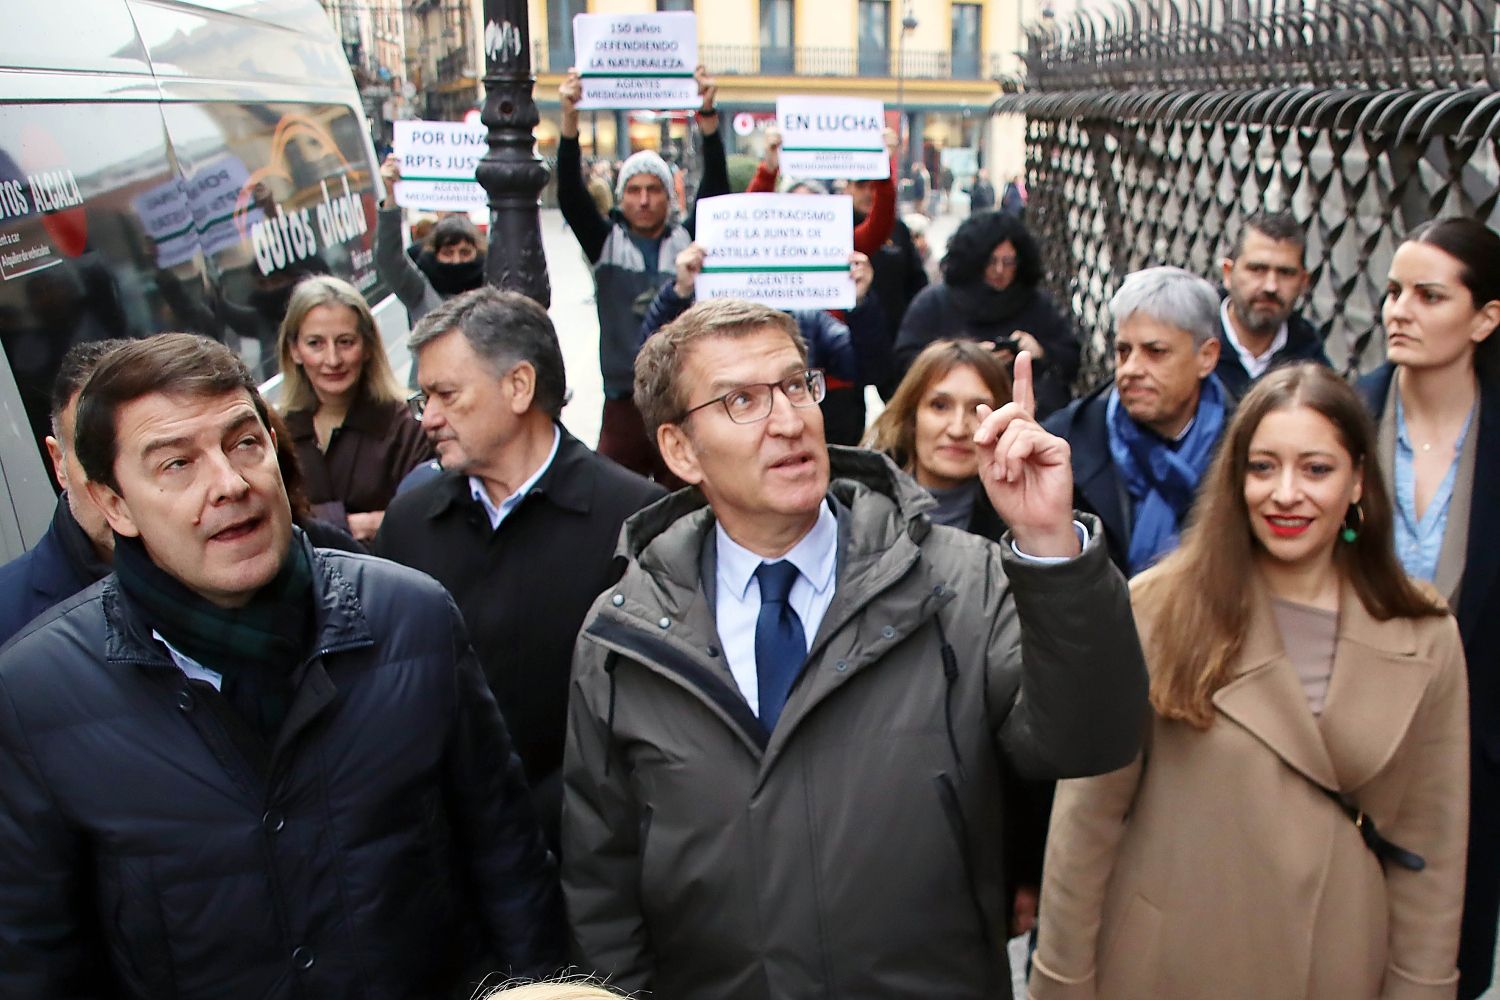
833,137
642,61
790,251
437,165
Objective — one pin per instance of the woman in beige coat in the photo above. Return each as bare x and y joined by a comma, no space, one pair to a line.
1295,825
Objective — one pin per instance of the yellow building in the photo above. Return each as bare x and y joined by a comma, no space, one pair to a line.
937,59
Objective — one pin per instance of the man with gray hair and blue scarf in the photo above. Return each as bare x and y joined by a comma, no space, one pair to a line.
632,250
1141,444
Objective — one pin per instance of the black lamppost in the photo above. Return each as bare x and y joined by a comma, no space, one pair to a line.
511,173
908,23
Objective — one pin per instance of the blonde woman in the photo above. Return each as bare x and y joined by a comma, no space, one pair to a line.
346,411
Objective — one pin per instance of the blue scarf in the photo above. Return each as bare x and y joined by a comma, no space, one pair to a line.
1162,476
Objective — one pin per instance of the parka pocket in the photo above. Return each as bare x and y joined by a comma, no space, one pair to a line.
135,927
959,828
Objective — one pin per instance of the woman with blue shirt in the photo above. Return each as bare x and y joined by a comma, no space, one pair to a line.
1438,403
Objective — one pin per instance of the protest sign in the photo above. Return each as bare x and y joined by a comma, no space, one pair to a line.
833,137
790,251
642,61
437,165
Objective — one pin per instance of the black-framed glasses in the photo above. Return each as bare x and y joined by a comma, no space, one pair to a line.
416,404
747,404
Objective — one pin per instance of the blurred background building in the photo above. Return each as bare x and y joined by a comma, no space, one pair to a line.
938,60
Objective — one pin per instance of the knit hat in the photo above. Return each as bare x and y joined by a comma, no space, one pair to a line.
647,162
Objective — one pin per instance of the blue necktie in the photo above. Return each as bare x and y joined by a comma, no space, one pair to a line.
780,643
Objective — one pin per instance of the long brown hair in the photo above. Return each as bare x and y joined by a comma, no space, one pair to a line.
895,430
1201,588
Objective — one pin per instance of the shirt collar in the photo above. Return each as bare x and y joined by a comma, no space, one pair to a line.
814,556
498,513
1254,366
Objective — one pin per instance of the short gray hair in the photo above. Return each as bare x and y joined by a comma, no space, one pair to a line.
1172,296
503,328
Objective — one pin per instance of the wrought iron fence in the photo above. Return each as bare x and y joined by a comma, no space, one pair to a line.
1154,132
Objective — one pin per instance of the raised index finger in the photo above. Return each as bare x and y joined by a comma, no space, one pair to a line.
1020,392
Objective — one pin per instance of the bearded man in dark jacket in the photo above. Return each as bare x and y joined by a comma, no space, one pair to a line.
240,766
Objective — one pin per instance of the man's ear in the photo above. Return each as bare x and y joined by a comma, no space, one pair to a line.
1226,265
678,452
59,469
114,508
1208,357
522,382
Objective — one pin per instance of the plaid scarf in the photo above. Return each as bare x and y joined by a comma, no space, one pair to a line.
255,648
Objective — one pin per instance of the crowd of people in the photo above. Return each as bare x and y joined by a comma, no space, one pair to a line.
368,694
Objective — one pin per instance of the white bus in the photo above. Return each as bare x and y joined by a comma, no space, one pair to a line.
167,166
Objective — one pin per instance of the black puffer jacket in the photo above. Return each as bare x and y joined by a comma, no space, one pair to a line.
384,849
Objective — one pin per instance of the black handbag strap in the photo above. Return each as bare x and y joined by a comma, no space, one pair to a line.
1384,849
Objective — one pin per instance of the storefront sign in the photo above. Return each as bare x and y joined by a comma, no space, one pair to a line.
637,60
788,251
437,165
833,137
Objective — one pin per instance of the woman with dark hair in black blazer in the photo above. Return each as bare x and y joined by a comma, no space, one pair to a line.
1438,403
989,292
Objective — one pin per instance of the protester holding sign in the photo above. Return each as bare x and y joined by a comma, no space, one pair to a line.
850,347
451,263
631,250
870,232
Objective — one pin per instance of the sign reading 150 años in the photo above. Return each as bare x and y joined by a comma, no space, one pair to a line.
833,137
637,60
788,251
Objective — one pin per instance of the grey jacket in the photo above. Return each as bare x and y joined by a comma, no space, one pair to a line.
855,852
396,269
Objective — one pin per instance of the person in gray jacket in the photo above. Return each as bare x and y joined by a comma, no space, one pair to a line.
783,769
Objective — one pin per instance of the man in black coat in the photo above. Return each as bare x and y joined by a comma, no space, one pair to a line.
1263,278
240,766
78,545
521,526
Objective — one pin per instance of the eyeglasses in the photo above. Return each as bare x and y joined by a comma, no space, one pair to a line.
747,404
416,404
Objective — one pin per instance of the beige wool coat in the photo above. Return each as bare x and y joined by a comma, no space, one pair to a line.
1215,865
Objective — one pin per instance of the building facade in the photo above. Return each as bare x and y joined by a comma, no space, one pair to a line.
937,60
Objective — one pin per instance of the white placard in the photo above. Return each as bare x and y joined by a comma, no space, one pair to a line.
641,61
828,137
437,165
790,251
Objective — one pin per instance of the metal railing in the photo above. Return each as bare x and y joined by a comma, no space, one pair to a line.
1153,133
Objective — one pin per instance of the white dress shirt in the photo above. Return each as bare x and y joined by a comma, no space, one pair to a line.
498,514
1254,366
738,594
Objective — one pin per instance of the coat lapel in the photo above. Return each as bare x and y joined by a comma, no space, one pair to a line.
1266,698
1377,685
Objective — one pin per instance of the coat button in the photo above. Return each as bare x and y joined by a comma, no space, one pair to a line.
888,632
303,957
185,700
273,821
841,666
713,651
664,623
617,600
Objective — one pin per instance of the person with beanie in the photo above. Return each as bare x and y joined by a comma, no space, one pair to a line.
632,250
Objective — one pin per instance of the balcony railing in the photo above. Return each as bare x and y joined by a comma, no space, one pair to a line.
916,64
